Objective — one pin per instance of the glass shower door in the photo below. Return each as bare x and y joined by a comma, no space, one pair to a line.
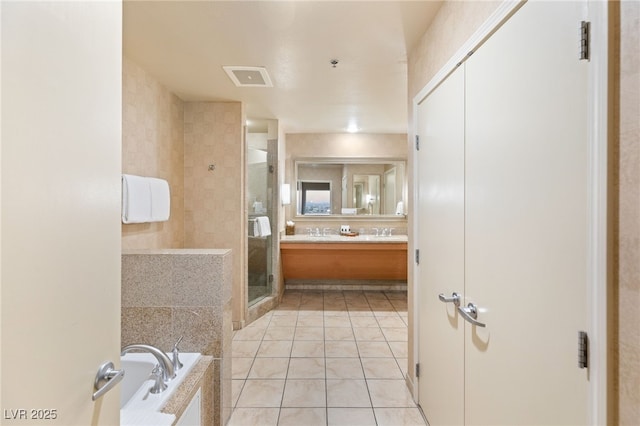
260,227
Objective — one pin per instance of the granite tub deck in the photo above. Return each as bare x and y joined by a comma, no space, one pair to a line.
338,262
171,293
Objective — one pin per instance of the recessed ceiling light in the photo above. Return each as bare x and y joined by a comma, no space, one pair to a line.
248,76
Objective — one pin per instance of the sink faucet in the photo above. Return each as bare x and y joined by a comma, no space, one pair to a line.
168,372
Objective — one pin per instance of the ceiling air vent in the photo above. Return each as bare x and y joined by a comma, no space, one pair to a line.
249,76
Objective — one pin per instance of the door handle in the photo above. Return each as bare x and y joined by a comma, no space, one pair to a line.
470,313
106,379
455,299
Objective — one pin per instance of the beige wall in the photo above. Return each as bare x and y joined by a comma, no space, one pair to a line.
627,82
152,145
215,208
442,40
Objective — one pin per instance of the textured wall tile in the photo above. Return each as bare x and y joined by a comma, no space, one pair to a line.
146,280
150,326
152,145
196,280
201,328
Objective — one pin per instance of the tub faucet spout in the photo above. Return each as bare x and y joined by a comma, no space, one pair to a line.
164,361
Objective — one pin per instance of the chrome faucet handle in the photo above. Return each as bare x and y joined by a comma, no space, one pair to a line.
159,385
177,365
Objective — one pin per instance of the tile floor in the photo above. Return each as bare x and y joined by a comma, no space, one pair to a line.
325,358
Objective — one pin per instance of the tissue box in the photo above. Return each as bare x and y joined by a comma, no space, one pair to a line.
290,230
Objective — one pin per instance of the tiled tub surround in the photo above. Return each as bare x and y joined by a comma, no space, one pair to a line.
182,292
201,376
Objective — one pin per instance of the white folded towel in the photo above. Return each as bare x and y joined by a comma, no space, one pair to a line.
136,199
346,210
160,200
264,227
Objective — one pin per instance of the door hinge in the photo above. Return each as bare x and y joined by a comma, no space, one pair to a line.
418,256
270,278
417,143
585,35
417,370
583,349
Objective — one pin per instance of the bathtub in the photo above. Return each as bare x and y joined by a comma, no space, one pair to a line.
134,391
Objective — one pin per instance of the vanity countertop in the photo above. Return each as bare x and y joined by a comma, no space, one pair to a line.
302,238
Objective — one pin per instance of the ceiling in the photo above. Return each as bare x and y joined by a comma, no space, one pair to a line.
185,44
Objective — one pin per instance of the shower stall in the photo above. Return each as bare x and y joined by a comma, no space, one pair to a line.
262,214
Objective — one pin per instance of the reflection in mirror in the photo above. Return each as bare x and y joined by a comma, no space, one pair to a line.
350,187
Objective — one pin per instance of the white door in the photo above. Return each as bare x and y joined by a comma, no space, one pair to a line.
61,156
441,243
523,173
526,220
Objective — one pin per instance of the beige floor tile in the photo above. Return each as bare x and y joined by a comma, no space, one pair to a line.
396,295
338,333
391,321
310,313
390,393
309,333
337,314
250,333
344,368
269,368
350,417
334,349
311,321
395,334
385,313
283,321
275,349
236,388
337,321
291,315
306,368
364,321
399,417
304,393
368,334
279,333
347,393
308,349
240,367
361,312
302,417
254,416
374,350
244,348
399,349
381,368
261,393
403,363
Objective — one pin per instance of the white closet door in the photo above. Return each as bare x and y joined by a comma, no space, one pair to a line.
526,220
441,243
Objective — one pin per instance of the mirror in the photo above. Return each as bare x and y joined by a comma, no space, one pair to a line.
350,187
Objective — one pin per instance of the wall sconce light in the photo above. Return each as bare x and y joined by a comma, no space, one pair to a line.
285,194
